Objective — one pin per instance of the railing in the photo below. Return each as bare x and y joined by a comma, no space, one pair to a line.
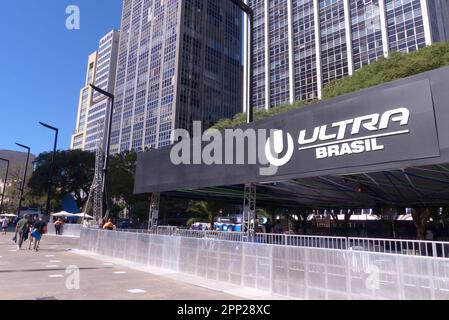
317,242
293,272
404,247
391,246
302,240
227,236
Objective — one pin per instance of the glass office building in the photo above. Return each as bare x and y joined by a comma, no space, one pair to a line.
92,108
84,103
302,45
105,80
179,61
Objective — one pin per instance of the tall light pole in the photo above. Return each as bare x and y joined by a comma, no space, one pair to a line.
52,168
108,138
250,13
5,181
22,187
249,202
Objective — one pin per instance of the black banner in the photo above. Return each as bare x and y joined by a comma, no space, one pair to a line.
382,128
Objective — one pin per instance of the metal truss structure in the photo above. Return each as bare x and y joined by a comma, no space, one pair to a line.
249,210
153,217
96,190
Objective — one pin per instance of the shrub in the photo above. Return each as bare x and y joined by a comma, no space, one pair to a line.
398,65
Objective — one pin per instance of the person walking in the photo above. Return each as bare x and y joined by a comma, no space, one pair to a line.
22,230
58,226
31,224
39,229
278,227
268,225
5,223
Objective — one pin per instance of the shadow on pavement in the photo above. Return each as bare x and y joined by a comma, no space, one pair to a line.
49,269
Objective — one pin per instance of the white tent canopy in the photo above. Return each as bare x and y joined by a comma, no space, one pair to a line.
63,214
8,215
83,215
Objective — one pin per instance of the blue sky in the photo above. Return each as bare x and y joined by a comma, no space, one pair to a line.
43,65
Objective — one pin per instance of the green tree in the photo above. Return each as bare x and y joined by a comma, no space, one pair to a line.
173,209
12,191
206,210
73,174
421,218
342,224
240,118
120,182
398,65
120,187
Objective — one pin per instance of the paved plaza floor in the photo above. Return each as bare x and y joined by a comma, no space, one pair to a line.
52,274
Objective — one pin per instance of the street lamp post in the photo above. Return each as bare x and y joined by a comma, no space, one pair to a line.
249,203
250,13
5,181
22,187
52,168
108,138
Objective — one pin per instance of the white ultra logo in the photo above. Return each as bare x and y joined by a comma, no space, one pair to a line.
345,137
251,146
276,144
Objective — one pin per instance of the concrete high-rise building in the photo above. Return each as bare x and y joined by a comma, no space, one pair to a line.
105,80
179,61
302,45
85,101
93,107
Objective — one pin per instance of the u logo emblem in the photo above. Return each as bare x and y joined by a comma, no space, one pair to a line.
275,146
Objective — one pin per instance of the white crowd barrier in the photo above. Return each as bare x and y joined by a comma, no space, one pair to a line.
68,230
290,271
404,247
391,246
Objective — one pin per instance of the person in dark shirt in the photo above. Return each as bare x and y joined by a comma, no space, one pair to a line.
39,229
31,224
278,227
268,226
22,229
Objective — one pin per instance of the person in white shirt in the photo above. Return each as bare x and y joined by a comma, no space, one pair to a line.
5,223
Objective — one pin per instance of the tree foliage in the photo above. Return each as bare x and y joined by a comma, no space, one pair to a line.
73,174
15,177
421,218
207,210
120,182
240,118
398,65
12,191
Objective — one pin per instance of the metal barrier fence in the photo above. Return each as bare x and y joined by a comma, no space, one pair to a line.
67,230
290,271
302,240
391,246
404,247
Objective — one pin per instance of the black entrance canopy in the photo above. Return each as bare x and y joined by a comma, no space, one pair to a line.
387,145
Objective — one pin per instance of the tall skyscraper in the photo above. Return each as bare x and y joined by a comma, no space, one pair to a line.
104,79
93,107
302,45
85,100
179,61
